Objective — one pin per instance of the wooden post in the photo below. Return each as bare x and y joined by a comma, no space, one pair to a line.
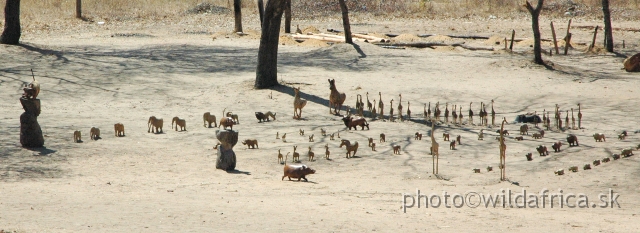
237,10
513,35
555,42
261,11
287,17
78,9
567,43
345,22
593,42
623,44
505,43
566,37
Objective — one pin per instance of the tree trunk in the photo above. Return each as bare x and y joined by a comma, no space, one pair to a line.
267,70
261,11
345,22
287,17
12,31
608,32
237,10
78,9
535,13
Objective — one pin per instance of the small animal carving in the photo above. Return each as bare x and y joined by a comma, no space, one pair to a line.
234,117
77,136
382,138
596,162
265,116
301,132
94,133
351,122
336,98
311,154
277,135
529,156
331,137
556,146
155,123
32,90
179,122
418,136
296,155
573,168
326,151
298,104
208,119
350,148
481,134
489,168
615,156
536,136
373,146
370,141
280,157
586,167
445,136
541,133
606,160
559,172
524,129
251,143
396,149
599,137
572,139
452,145
311,138
323,132
503,132
458,140
226,121
299,171
626,152
284,137
519,138
476,170
542,150
622,136
119,128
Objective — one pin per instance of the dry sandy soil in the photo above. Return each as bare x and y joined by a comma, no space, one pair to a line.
98,75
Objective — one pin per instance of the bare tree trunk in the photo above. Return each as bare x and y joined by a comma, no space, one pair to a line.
78,9
345,22
535,13
608,32
267,70
237,10
261,11
12,31
287,17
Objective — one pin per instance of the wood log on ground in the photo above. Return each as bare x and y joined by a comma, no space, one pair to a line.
632,64
369,38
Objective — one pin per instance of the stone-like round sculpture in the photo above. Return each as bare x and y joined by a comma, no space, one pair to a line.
226,158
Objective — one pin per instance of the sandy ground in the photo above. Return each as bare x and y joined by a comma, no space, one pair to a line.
165,182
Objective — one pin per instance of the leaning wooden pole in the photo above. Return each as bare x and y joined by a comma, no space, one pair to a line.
593,42
513,35
555,42
345,22
567,43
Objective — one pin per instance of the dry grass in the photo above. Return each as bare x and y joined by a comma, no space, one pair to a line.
126,10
